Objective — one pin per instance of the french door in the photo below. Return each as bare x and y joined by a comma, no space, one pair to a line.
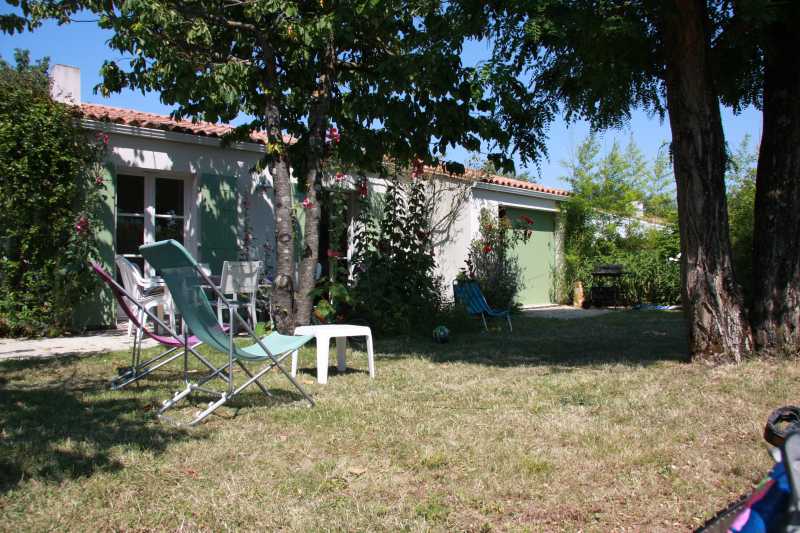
149,209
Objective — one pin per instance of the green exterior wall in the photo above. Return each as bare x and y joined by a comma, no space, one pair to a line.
537,257
219,220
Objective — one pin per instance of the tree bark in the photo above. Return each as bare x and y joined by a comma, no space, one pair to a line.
283,305
317,122
776,238
718,327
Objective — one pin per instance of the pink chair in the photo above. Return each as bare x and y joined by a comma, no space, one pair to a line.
173,342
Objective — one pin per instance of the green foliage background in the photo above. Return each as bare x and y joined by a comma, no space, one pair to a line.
49,193
601,223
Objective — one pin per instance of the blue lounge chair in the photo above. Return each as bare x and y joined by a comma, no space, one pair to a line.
187,284
469,294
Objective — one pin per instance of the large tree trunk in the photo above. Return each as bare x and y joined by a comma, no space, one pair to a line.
283,305
776,238
718,328
317,124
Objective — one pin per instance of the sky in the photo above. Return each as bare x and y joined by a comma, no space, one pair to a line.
83,45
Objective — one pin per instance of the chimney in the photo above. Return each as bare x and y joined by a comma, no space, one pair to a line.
65,84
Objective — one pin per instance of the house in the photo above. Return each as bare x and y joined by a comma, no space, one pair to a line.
176,179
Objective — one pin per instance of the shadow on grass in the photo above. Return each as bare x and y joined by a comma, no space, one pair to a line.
54,433
634,338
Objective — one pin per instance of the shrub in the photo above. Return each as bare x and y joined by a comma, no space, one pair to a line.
49,193
396,288
492,264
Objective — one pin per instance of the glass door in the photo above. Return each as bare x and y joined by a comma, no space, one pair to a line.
149,209
130,217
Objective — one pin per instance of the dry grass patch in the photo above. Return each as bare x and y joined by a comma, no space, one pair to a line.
592,424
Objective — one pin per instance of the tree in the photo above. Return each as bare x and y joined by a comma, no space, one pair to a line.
599,61
776,251
370,79
50,198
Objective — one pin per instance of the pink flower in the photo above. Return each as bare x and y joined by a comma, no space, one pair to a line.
82,225
340,177
487,248
105,138
307,204
333,136
98,180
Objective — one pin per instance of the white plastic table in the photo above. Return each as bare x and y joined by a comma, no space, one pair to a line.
323,335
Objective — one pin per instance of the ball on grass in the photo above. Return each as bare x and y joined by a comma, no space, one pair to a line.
441,334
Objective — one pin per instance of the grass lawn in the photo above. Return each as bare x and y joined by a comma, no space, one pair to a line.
595,424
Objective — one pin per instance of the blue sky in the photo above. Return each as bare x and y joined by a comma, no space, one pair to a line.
84,45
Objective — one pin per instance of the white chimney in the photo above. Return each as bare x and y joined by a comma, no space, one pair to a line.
65,84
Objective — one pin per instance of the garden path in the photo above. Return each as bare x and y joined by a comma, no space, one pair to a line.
94,342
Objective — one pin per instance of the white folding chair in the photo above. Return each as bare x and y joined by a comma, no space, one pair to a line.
146,292
239,277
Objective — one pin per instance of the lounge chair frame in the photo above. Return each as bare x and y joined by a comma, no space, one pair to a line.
235,354
139,368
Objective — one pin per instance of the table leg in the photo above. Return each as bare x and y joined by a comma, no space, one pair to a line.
323,345
370,356
341,347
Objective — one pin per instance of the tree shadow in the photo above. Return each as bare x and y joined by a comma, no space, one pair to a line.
57,433
635,338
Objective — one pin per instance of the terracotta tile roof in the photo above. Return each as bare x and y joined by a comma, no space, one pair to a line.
130,117
471,174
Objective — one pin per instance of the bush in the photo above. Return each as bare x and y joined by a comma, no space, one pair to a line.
49,193
396,288
492,264
652,268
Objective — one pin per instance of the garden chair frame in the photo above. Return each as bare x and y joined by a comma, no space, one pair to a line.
174,342
469,293
176,265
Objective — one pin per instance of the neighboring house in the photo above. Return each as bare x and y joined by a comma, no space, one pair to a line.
176,179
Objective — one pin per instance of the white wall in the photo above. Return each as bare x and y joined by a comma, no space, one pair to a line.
133,154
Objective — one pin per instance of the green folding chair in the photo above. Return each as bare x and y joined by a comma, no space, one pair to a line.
188,284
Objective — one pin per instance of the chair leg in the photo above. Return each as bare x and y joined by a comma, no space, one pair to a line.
510,329
483,317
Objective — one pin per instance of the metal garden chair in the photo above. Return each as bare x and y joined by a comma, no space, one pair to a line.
187,284
469,294
173,342
240,277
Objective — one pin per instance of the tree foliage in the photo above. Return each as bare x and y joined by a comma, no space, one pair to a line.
49,198
602,222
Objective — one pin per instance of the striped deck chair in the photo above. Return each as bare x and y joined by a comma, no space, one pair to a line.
188,283
469,294
173,341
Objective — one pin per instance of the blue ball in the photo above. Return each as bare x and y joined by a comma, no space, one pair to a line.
441,334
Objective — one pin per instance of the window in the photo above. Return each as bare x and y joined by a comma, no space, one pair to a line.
149,209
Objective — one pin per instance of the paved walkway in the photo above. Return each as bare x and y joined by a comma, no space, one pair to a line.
99,342
564,312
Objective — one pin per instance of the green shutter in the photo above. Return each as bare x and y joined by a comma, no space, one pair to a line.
219,220
537,257
100,308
